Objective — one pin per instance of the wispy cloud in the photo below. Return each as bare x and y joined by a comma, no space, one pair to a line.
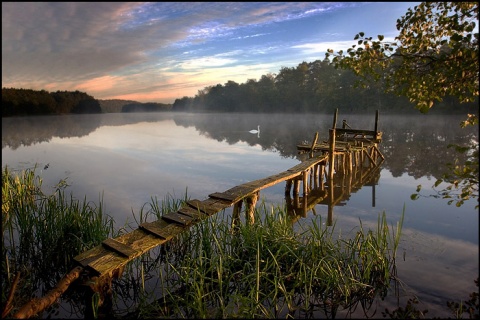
110,49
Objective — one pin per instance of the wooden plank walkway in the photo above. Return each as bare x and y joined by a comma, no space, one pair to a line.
113,254
349,145
345,153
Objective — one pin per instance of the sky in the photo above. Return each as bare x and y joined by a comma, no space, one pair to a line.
162,51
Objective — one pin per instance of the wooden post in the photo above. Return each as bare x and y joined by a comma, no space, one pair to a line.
331,196
305,182
321,175
296,186
304,206
236,213
251,202
312,148
288,187
373,195
334,125
376,124
331,156
362,158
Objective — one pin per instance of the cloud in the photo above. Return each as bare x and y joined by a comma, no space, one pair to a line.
112,49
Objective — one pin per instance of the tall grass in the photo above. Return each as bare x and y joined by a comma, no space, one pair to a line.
264,270
269,270
41,233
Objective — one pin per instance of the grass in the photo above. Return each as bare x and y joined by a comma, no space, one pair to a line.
41,233
264,270
268,270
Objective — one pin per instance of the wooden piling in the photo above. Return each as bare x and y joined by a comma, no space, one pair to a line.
335,115
331,152
251,202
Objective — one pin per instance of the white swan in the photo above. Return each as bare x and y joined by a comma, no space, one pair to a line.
255,131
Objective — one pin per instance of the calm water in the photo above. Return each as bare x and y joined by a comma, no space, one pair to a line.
129,158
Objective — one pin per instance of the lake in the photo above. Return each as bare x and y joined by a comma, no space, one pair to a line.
128,159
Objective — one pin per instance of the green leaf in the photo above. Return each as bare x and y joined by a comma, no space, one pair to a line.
419,187
414,196
380,37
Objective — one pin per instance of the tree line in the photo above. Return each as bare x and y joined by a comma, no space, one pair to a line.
309,87
36,102
18,102
317,87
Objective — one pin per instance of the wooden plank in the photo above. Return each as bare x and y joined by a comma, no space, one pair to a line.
202,206
85,258
355,131
223,196
108,263
196,214
102,261
165,232
216,204
119,247
178,218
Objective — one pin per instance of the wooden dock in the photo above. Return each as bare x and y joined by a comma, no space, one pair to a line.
113,254
346,149
333,170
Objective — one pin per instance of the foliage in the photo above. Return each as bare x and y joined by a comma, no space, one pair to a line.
36,102
309,87
471,307
17,102
409,312
41,233
434,56
269,270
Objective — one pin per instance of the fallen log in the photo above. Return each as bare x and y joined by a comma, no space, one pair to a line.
37,305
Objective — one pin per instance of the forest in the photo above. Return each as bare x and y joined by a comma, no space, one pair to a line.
309,87
18,102
36,102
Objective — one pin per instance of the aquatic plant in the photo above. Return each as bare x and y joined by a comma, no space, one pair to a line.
269,269
41,233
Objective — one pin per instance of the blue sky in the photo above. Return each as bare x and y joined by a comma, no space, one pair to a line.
160,51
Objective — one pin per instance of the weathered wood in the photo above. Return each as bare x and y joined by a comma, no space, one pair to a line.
314,142
335,115
331,157
119,247
161,230
195,214
178,218
379,153
305,182
37,305
251,202
202,206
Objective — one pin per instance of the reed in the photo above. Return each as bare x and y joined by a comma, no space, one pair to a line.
264,270
41,233
269,269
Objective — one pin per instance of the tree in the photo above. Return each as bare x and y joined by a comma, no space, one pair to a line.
434,56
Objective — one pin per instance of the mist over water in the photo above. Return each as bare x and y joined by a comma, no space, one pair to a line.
129,158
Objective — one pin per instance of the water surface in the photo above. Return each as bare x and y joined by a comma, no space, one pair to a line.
127,159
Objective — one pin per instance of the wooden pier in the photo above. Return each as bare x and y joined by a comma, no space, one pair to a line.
333,170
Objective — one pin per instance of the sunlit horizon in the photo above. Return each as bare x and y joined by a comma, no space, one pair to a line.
162,51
